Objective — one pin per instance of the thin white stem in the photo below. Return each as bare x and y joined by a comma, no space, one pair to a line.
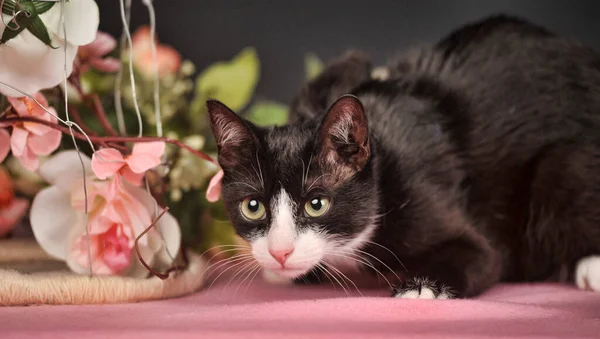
68,120
157,115
119,77
131,75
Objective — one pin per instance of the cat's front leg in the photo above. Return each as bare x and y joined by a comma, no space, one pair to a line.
457,268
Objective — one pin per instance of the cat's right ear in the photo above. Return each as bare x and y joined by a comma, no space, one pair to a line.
235,140
344,137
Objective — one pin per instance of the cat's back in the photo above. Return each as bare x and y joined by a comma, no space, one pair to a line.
521,85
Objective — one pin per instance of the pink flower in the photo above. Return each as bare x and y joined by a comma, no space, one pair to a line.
118,213
92,54
12,209
108,162
4,144
29,140
167,57
213,192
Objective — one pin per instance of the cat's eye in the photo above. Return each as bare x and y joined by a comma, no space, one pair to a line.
253,209
316,207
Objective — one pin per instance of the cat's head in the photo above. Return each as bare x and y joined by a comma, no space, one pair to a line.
302,195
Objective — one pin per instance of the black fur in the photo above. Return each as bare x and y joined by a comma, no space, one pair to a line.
484,156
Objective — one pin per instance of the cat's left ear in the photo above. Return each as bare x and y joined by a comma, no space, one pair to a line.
344,135
236,142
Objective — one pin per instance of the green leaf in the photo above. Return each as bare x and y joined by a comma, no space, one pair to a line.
9,7
231,82
17,26
27,18
266,113
38,29
312,66
42,6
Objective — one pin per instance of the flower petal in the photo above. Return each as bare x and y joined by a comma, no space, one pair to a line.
167,225
52,220
28,159
12,214
107,65
213,192
78,257
103,44
18,141
132,177
107,162
137,269
64,168
145,155
141,40
44,144
171,233
81,19
30,66
4,144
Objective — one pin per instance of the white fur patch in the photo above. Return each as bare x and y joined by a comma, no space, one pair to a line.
341,255
587,273
309,246
283,231
426,293
380,73
275,279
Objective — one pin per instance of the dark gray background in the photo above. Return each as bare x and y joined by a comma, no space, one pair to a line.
205,31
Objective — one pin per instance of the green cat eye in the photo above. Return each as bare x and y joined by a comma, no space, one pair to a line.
253,209
316,207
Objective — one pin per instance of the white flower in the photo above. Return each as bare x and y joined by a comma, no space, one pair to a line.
29,65
118,213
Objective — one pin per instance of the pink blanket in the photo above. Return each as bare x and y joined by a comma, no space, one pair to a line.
267,311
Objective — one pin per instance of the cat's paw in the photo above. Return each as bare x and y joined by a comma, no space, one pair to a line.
421,288
587,273
380,73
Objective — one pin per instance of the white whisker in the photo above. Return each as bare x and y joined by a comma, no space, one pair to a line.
239,271
387,249
227,269
344,277
386,266
259,267
244,184
262,181
362,261
326,275
316,180
322,265
225,261
250,272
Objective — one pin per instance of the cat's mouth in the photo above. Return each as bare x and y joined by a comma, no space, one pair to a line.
290,273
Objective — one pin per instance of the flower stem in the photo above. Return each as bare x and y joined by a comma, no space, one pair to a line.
77,118
94,102
110,139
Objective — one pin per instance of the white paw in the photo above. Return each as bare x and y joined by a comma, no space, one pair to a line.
425,293
274,278
380,73
421,288
587,273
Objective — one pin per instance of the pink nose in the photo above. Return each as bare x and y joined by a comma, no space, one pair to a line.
281,255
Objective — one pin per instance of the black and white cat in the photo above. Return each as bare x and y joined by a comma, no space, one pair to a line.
473,161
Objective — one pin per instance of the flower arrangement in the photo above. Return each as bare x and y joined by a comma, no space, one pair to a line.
100,198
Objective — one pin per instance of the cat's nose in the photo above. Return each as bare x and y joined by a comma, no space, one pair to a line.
281,255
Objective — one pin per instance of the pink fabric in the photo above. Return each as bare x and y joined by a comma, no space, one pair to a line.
267,311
